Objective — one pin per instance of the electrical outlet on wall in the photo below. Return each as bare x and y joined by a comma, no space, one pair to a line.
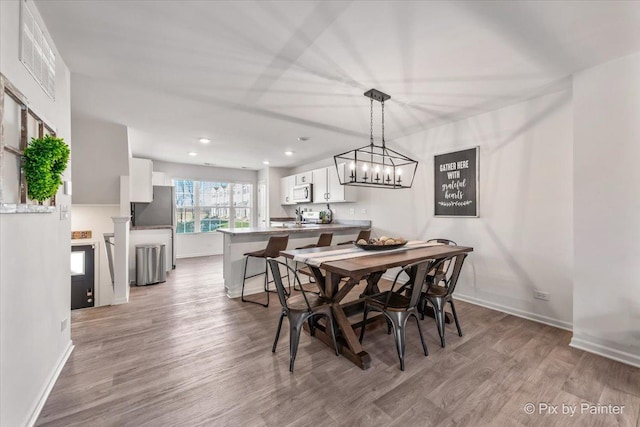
63,324
352,211
541,295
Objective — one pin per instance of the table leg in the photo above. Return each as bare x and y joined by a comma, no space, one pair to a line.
320,280
372,283
352,350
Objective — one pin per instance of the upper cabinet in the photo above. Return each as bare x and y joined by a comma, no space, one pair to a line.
327,187
304,178
161,179
319,185
286,190
140,180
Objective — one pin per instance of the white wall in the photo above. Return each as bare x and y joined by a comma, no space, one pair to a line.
607,209
523,238
100,157
203,244
34,256
97,218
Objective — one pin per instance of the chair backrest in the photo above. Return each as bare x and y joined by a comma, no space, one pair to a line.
452,280
324,240
443,241
274,264
364,234
417,273
275,245
441,271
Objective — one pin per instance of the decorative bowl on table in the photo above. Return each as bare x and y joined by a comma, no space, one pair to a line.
382,244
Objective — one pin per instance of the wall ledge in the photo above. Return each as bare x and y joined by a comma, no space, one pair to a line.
12,208
604,351
35,413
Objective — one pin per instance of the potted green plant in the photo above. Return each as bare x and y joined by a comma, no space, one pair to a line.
44,161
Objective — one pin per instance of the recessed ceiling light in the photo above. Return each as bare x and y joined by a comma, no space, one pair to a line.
303,138
193,153
266,162
205,140
288,153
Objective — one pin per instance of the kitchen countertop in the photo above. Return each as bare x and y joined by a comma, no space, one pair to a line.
295,229
151,227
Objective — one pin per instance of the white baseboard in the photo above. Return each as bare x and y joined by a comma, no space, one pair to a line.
35,413
608,352
516,312
197,255
118,301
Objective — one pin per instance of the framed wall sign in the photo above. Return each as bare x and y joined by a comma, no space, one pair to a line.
456,183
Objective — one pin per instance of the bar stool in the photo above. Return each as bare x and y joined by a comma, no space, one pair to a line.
323,240
363,234
275,245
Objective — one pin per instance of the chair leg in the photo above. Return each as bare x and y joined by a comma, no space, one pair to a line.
312,326
398,321
455,317
266,280
295,327
244,278
364,323
424,345
275,341
438,308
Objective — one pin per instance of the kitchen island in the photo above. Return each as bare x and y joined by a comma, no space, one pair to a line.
238,241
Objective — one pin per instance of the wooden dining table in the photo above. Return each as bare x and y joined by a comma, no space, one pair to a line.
336,278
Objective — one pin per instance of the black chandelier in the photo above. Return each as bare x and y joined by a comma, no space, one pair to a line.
376,165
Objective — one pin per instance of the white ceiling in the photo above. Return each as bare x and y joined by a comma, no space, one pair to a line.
254,76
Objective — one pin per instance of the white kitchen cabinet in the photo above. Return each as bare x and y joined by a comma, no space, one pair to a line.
140,180
304,178
161,179
286,190
327,187
319,185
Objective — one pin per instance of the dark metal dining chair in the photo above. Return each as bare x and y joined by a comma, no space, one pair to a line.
397,308
275,245
443,270
298,309
438,295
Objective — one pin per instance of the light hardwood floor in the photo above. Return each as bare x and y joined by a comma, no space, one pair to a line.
182,353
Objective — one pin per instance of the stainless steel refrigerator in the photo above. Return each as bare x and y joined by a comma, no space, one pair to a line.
160,212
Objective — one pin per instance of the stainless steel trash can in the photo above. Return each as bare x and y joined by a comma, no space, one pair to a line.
150,264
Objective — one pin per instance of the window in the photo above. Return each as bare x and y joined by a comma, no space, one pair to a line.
204,206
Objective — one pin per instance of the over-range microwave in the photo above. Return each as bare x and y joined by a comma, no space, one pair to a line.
303,193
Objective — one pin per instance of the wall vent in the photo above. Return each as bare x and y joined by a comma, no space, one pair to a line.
35,52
